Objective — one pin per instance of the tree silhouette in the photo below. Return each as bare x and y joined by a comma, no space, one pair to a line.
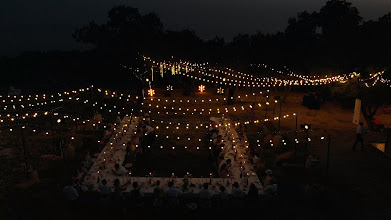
334,37
338,18
126,31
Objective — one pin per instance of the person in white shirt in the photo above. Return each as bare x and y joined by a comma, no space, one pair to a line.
359,134
172,195
119,170
173,192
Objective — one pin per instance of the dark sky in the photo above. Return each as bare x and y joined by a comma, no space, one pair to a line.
48,24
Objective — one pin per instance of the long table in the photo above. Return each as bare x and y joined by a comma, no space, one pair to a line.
240,163
115,149
113,153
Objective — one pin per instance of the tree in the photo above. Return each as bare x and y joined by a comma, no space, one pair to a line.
339,18
302,29
372,97
126,31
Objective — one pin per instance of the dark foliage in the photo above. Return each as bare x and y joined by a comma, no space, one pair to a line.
335,37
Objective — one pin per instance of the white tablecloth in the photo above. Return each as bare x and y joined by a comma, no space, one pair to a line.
231,139
115,149
114,152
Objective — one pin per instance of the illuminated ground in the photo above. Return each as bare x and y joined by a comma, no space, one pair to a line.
359,182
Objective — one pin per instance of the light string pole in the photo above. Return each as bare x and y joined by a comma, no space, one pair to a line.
267,103
328,154
278,99
306,128
26,165
51,128
296,134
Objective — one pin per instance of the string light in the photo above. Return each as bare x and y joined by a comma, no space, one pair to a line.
201,88
151,92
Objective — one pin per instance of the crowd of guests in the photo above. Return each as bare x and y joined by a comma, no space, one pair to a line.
144,137
169,196
217,149
138,144
224,165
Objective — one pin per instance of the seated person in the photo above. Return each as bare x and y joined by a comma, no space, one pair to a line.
173,192
70,193
205,197
90,195
136,196
158,192
149,130
205,193
118,189
254,158
119,170
129,155
224,173
141,122
217,145
158,195
223,193
220,158
107,133
252,196
227,162
216,153
149,135
268,177
271,189
147,119
237,192
135,141
212,126
140,133
104,190
218,142
212,130
215,134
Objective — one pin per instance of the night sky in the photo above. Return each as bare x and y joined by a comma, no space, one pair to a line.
48,24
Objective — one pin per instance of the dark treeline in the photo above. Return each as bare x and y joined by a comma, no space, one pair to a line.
334,37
